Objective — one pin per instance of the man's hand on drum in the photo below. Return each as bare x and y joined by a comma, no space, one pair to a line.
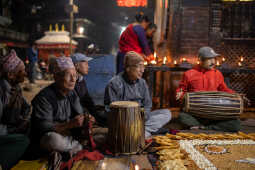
179,95
245,99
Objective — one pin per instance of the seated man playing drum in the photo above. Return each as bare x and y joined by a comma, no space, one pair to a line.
205,77
57,111
130,86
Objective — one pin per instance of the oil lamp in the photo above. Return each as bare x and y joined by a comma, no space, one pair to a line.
217,63
241,59
164,60
239,64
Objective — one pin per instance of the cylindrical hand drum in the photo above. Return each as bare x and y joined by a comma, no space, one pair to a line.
213,105
126,127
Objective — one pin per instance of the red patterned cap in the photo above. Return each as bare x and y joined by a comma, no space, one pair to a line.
10,61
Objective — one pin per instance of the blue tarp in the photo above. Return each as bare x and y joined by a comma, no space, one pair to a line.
101,69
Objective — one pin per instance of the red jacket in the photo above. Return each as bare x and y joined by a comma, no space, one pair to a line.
129,41
198,79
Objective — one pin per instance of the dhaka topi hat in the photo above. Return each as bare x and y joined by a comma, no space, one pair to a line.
79,57
10,62
62,63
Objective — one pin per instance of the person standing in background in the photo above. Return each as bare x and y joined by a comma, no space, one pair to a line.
32,58
134,39
149,34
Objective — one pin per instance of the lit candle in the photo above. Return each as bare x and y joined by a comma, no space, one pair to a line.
145,63
164,60
175,62
103,166
217,63
136,167
223,59
153,62
239,64
241,59
183,59
198,62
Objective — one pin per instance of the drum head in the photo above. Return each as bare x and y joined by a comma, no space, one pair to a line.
123,104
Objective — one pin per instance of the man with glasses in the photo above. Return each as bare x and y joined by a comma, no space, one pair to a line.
130,86
57,113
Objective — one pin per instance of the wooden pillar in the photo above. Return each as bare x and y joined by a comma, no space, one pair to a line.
160,19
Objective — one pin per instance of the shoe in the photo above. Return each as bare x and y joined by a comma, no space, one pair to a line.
160,131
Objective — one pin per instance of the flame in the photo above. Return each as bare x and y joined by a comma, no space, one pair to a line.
164,60
137,167
145,63
241,59
217,63
223,59
198,62
153,62
183,59
239,64
103,165
155,55
175,62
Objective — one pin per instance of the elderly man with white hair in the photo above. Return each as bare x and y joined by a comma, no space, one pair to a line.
57,112
130,86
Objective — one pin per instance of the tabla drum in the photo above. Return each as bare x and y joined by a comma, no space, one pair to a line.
126,127
213,105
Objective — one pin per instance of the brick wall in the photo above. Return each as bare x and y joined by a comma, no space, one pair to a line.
194,30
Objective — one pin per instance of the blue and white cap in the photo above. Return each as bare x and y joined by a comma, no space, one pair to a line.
79,57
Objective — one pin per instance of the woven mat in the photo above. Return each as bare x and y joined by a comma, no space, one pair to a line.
227,161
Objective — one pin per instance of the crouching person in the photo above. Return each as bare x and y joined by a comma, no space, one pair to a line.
130,86
57,112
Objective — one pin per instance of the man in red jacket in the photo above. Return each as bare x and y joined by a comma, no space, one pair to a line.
205,77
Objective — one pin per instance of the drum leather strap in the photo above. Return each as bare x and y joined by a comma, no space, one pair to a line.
91,140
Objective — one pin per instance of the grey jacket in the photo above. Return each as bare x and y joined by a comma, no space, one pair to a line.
120,88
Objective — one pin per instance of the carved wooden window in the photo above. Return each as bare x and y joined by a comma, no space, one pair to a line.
233,18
